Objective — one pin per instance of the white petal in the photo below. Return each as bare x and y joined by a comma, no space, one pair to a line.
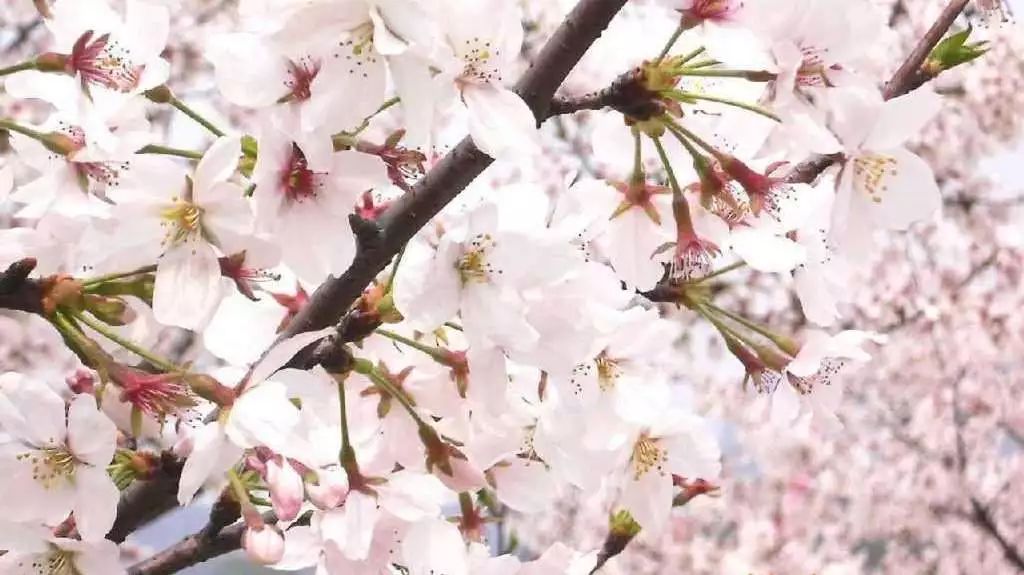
263,415
631,241
785,404
427,288
96,500
256,83
352,526
767,252
92,437
24,538
648,499
434,546
500,123
412,496
284,351
816,298
526,486
188,287
101,557
384,40
217,164
903,118
301,549
212,454
31,411
907,193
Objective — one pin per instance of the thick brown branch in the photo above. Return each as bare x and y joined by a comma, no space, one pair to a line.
201,546
17,291
146,500
461,166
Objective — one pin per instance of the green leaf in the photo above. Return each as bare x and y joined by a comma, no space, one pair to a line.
953,51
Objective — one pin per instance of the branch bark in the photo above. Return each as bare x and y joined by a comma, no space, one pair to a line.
210,542
17,291
982,517
146,500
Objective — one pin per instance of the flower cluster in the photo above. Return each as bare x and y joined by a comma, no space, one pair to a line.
506,351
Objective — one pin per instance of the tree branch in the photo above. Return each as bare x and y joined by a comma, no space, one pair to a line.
146,500
982,517
441,185
207,543
17,291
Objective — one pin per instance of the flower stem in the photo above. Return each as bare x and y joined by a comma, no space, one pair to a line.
394,269
366,367
453,325
11,126
637,177
116,276
168,151
182,107
131,346
727,332
784,343
690,56
702,64
677,192
734,103
82,345
21,67
682,134
671,42
241,493
750,75
435,353
346,444
366,121
722,271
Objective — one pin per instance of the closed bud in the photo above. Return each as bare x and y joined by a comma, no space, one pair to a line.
160,95
109,310
286,492
263,545
329,489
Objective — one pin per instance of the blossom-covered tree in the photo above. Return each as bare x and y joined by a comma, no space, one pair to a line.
388,280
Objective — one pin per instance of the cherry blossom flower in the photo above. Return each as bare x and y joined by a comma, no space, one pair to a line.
303,190
56,462
186,220
673,444
809,380
101,54
484,40
883,185
32,550
87,155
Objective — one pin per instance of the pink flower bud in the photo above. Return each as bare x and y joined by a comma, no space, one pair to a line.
286,493
264,545
330,489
